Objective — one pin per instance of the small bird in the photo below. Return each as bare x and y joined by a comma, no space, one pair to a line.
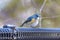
34,20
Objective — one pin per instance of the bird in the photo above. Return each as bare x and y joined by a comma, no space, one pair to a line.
34,20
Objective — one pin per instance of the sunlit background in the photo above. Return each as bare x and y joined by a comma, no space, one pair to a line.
17,11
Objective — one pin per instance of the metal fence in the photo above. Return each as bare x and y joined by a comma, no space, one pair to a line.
5,33
12,33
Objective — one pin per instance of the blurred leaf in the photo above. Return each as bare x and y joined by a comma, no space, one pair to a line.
11,8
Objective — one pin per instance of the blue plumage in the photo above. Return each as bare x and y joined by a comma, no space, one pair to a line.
29,19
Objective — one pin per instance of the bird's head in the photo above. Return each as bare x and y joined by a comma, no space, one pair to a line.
36,16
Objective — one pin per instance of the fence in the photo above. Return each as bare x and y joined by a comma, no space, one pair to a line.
12,33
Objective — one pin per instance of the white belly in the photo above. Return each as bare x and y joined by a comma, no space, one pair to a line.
35,23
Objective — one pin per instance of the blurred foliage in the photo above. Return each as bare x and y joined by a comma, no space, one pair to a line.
38,2
18,11
57,1
12,7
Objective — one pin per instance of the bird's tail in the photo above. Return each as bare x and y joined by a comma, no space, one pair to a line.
22,25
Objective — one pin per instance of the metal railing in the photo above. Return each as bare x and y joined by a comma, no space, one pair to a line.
12,33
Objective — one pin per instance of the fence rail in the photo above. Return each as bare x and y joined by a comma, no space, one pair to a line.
7,33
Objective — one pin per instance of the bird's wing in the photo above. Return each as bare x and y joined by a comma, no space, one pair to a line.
28,20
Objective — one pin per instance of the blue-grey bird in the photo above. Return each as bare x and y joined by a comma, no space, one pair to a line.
34,20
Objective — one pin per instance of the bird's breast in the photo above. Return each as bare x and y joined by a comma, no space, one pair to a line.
34,24
32,21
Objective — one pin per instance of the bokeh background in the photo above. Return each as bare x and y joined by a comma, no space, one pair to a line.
17,11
